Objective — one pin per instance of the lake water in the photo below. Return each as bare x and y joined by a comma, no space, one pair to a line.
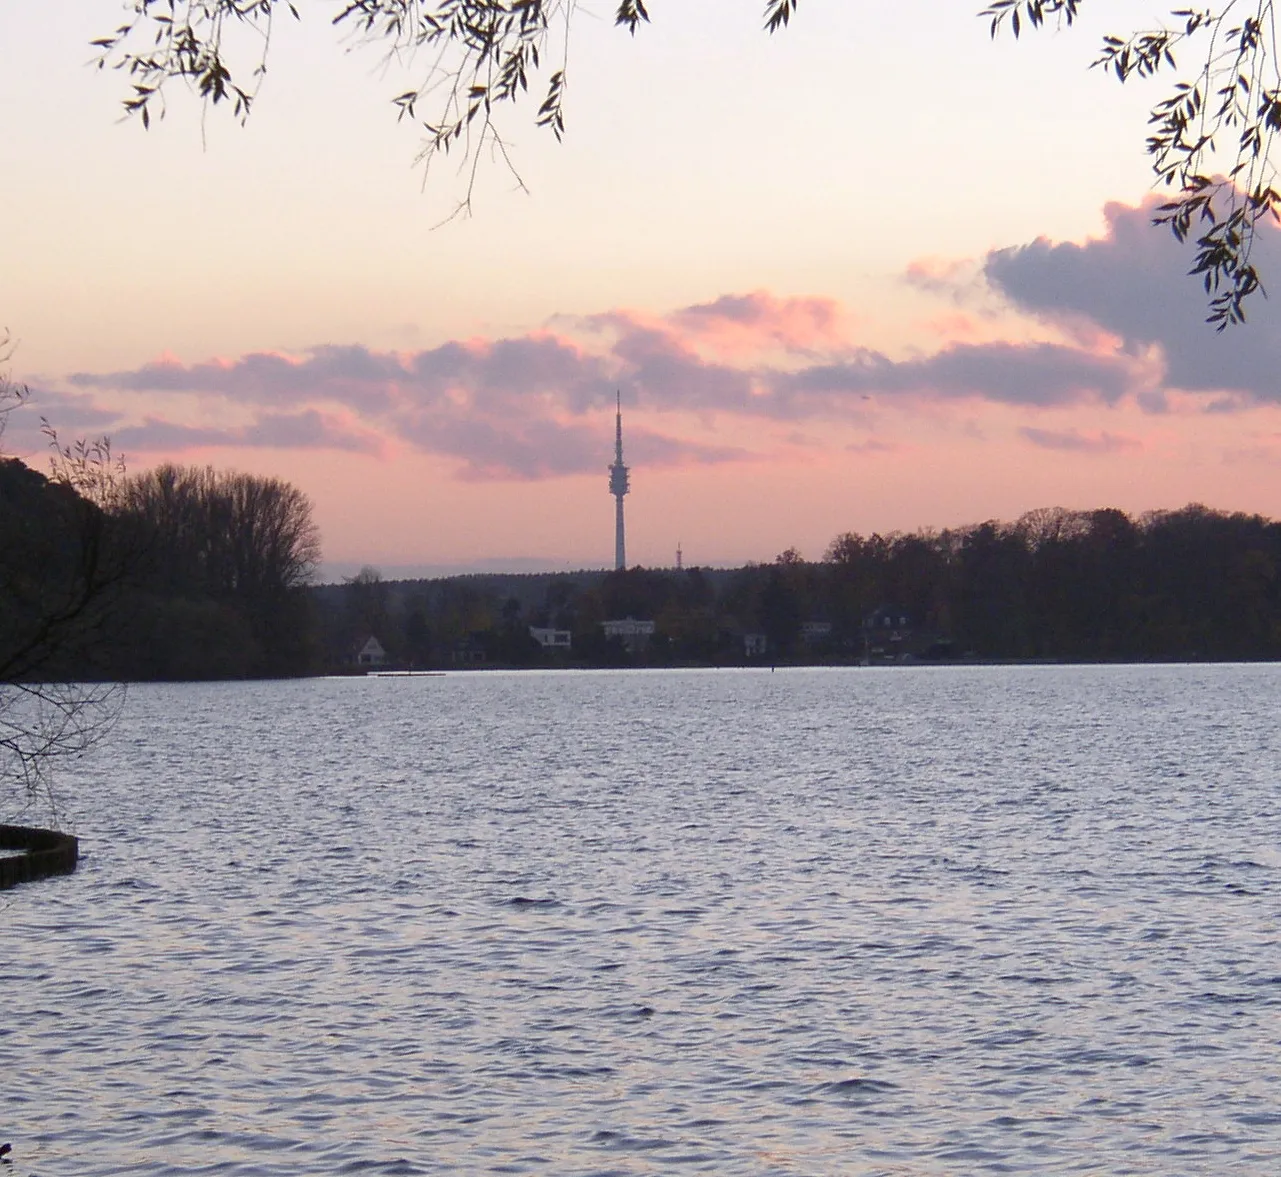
900,921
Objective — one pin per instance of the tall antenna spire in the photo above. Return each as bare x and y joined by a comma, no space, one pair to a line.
619,485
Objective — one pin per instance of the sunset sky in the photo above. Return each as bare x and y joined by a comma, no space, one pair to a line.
877,272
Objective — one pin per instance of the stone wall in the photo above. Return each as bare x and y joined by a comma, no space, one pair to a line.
47,853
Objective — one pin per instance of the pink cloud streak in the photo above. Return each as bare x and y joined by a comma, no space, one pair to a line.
533,405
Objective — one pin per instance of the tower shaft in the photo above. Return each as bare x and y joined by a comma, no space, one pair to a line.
619,485
620,541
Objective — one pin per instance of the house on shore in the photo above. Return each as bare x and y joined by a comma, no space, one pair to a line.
887,634
552,639
635,635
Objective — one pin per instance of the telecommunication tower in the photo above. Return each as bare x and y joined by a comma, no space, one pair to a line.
619,485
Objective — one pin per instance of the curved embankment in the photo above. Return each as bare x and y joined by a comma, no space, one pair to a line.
47,853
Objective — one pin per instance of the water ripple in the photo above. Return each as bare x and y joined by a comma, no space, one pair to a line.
965,920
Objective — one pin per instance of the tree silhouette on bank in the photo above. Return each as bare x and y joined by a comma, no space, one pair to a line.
222,592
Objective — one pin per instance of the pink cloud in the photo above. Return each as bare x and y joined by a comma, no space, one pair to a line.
536,405
957,279
1072,441
741,325
956,325
306,429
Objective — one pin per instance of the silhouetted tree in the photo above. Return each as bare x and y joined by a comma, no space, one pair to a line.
782,602
244,543
417,634
366,601
635,592
991,607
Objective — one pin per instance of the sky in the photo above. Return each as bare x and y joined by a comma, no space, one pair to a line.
878,272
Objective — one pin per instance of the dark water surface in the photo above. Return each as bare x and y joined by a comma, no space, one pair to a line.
909,921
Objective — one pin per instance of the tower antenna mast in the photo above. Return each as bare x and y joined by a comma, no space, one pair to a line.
619,485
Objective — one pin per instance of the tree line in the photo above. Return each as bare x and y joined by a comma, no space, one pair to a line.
192,573
1055,584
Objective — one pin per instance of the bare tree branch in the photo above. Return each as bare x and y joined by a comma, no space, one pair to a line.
61,565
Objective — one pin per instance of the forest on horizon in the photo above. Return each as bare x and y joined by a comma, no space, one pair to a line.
193,574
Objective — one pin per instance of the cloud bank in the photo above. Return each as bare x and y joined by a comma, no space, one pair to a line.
536,405
1133,283
1118,319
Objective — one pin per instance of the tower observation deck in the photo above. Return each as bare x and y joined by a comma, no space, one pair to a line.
619,485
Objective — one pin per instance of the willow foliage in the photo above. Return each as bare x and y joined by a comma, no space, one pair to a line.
1210,141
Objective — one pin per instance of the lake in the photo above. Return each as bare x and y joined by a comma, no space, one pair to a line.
948,920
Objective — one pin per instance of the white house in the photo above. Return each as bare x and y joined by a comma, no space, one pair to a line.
551,639
633,634
371,653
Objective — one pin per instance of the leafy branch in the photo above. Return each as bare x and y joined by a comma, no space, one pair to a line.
480,54
1210,141
1212,135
